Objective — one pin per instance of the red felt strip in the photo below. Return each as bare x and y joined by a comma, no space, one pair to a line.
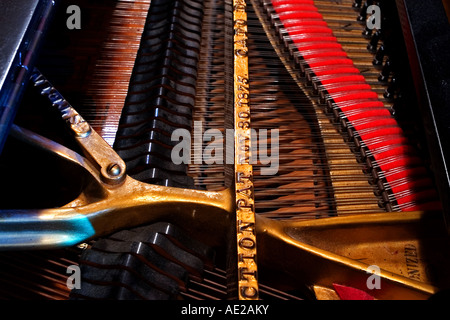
352,95
426,206
329,62
394,175
366,117
351,105
314,40
415,197
399,161
372,123
310,46
296,7
379,142
392,151
378,132
408,183
276,3
336,78
298,15
334,70
307,29
305,22
342,88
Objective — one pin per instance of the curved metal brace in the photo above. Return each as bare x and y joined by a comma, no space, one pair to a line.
115,206
132,204
341,250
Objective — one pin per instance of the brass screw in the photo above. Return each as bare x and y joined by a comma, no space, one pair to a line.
83,246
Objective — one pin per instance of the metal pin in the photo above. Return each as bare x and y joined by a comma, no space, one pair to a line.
114,169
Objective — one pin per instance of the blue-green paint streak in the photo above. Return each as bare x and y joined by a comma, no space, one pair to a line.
25,231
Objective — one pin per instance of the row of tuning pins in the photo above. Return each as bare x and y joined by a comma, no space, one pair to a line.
381,43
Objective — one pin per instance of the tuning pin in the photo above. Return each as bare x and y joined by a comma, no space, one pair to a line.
392,88
367,33
363,13
373,43
400,108
357,4
386,71
362,17
379,56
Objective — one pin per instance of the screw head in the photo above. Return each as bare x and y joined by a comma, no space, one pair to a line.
83,246
114,169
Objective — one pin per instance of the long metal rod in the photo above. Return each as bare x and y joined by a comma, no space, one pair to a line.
245,202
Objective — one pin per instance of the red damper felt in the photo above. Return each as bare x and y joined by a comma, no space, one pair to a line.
349,293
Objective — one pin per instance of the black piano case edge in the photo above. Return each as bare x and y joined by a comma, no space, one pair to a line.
22,26
426,31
